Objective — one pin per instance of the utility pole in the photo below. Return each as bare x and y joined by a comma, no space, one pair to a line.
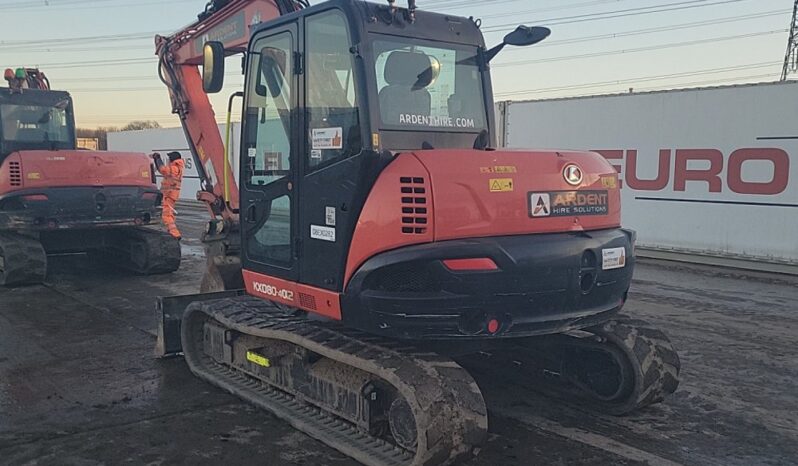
791,57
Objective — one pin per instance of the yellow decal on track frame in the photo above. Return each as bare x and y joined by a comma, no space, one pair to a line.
501,185
258,359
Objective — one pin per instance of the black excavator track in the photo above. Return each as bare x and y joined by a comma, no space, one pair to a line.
616,368
375,400
390,402
141,250
22,260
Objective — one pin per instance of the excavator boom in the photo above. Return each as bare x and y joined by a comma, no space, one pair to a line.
180,55
227,22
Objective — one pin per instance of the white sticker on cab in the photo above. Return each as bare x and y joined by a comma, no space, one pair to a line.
322,233
329,216
328,138
614,258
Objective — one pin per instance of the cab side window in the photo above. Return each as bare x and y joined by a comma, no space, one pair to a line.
333,122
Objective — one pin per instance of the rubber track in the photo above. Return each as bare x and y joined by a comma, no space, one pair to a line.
25,262
450,413
141,250
655,361
163,251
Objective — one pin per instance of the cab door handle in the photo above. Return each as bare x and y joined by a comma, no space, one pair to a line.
252,213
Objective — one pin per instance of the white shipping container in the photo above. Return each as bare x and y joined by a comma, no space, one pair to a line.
710,171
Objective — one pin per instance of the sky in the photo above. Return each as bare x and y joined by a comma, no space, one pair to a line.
102,50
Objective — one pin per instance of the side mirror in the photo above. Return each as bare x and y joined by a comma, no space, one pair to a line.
525,35
521,37
213,67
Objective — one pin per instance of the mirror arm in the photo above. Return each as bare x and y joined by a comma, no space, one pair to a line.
491,54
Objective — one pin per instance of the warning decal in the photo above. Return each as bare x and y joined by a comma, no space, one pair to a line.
568,203
328,138
501,185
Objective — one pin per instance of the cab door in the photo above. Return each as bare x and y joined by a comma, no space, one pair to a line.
269,163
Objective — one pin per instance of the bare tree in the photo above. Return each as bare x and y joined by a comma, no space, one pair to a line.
141,124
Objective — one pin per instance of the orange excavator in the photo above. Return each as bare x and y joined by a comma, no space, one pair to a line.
55,198
381,242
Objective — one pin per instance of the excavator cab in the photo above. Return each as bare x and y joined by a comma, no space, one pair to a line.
333,92
35,119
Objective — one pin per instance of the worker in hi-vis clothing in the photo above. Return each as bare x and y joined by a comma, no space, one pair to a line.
170,187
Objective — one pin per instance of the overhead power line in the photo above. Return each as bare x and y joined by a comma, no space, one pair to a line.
659,77
639,49
662,8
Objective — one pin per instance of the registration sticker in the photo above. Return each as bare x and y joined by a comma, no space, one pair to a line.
614,258
322,233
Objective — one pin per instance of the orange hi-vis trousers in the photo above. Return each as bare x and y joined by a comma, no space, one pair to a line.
170,187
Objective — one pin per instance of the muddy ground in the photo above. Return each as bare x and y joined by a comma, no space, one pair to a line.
79,384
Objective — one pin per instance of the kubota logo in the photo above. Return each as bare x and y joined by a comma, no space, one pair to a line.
572,174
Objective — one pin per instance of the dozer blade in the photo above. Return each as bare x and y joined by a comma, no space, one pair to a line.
169,311
367,397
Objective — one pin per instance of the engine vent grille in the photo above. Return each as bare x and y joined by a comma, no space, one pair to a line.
307,301
414,205
15,174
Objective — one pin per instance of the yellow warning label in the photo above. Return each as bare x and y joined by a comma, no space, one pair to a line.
258,359
609,182
145,174
375,140
501,185
34,176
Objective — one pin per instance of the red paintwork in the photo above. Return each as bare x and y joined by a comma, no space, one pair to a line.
67,168
327,303
465,265
461,204
465,207
379,227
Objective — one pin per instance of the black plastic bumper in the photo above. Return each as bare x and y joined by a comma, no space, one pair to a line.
544,284
79,207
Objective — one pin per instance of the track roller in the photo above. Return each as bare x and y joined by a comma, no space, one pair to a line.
23,260
362,395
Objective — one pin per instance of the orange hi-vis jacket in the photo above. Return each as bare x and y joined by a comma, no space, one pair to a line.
172,178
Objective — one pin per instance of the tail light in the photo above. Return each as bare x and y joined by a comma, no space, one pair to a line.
470,265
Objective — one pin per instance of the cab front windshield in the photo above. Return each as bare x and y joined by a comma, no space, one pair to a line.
30,124
428,87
